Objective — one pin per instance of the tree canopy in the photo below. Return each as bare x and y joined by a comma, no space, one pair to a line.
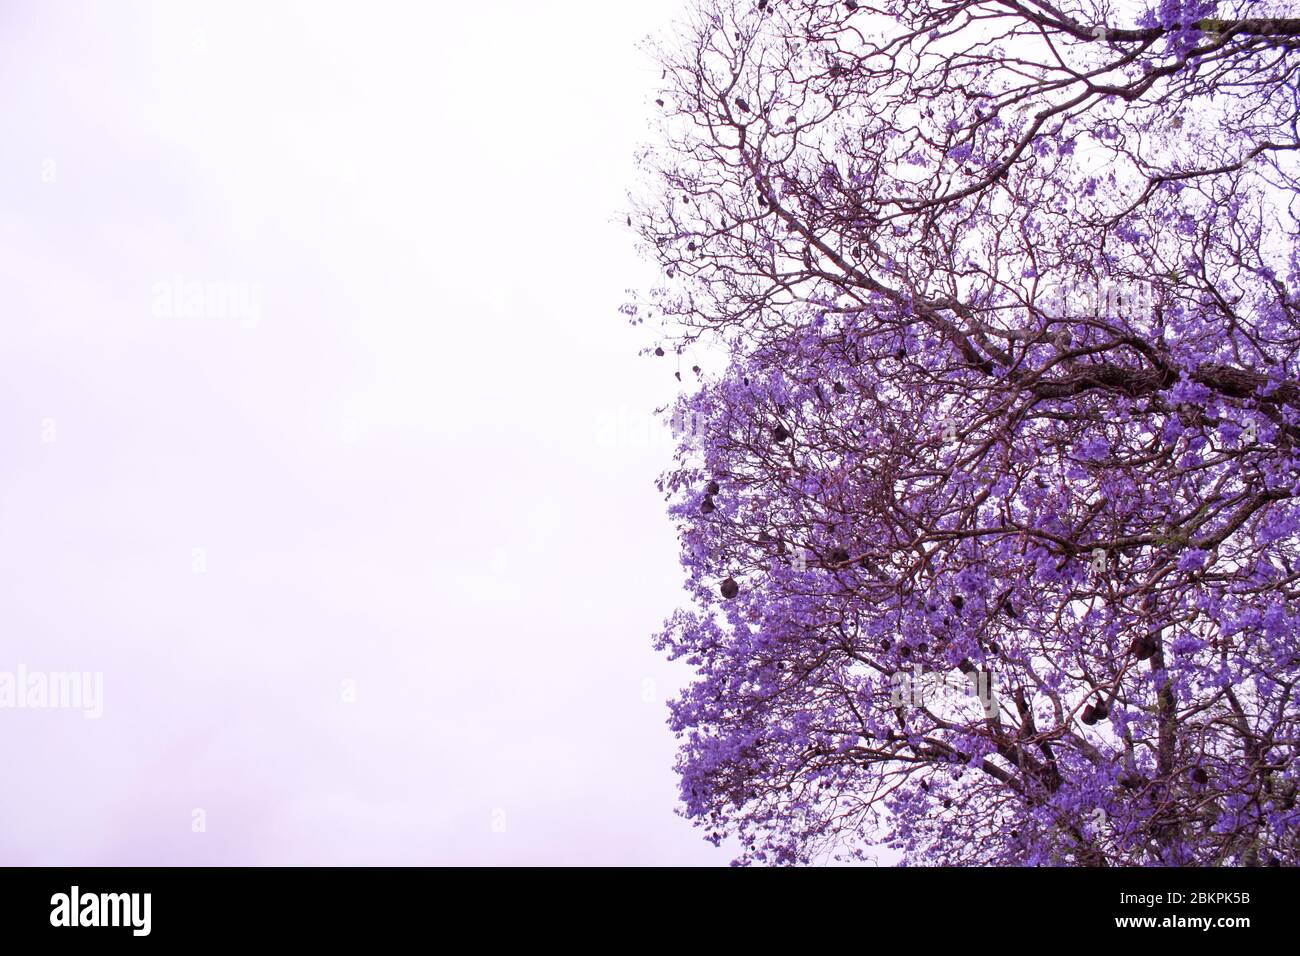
1008,291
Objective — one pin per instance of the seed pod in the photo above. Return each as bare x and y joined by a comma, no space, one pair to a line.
659,352
958,601
712,488
1199,776
706,506
839,388
1089,715
730,588
1142,648
1101,710
839,556
779,433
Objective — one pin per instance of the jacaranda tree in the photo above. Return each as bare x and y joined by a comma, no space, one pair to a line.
990,519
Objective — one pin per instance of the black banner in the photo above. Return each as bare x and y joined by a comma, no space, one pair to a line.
234,905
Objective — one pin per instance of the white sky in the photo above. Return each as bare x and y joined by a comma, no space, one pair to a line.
404,474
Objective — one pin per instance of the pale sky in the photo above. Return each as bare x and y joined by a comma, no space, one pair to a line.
370,569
